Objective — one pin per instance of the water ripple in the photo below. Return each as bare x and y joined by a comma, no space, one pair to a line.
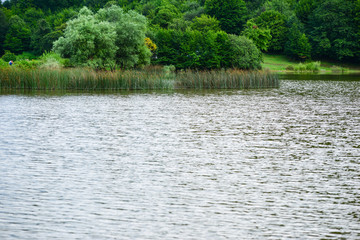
255,164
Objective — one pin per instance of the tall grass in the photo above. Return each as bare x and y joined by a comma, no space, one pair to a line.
228,79
151,78
305,67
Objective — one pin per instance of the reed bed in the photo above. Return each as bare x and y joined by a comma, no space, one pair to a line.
230,79
88,79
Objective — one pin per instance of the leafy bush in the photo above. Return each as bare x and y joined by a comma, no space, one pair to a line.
51,60
338,69
306,67
245,54
3,64
9,56
290,68
26,55
26,64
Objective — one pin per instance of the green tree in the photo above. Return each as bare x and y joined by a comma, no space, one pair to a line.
165,14
231,14
38,43
224,49
260,36
303,9
32,16
245,55
332,30
205,23
276,23
4,25
130,31
193,9
17,38
281,6
297,45
88,41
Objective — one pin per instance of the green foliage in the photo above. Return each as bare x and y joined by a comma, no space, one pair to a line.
60,18
209,50
26,56
297,45
26,64
164,15
130,29
193,9
88,41
4,25
260,36
305,67
109,38
332,30
205,23
280,6
245,54
3,64
17,38
9,56
179,24
32,16
276,23
38,42
304,8
231,14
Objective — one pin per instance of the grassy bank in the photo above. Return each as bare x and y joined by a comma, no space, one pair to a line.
282,64
150,78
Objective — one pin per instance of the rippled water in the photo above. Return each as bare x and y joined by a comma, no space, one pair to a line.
257,164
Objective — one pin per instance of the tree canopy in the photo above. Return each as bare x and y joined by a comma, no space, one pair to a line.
300,29
108,38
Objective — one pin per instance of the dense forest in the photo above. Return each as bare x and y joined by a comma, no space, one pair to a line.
202,34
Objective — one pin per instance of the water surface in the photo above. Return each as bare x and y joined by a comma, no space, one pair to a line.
239,164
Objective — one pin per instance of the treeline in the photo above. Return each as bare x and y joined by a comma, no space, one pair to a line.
202,34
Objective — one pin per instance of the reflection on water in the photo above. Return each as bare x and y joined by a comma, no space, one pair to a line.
256,164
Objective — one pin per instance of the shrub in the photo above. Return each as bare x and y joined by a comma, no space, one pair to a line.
26,64
3,64
290,68
26,56
51,60
9,56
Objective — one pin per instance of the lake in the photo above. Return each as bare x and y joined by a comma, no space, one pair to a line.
220,164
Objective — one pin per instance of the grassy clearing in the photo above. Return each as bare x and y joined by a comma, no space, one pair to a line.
282,64
149,78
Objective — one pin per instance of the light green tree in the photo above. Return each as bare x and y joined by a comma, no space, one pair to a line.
130,29
108,38
88,41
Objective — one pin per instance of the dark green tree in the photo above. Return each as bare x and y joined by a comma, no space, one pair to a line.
32,16
332,30
304,8
232,14
17,38
38,43
297,45
4,25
